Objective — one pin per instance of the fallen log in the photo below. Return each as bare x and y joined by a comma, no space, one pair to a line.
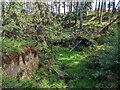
75,45
104,28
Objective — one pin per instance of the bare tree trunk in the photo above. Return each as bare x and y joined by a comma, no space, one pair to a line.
96,6
81,16
109,12
64,6
76,10
105,6
77,3
3,12
70,7
101,11
99,8
51,6
77,7
114,9
58,7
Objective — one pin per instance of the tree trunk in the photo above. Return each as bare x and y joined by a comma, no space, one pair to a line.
105,6
3,12
77,3
114,9
70,7
109,12
96,6
76,10
99,8
55,7
81,16
58,7
64,7
51,6
101,11
77,7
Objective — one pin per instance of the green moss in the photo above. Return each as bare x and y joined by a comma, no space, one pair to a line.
12,45
76,65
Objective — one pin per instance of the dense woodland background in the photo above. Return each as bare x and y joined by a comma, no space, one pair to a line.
76,49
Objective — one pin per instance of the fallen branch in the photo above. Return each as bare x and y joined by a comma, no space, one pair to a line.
107,25
104,28
75,45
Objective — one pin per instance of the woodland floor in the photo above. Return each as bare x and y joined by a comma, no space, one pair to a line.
83,69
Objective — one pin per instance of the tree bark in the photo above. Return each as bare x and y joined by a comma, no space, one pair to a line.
105,6
70,7
81,16
55,3
99,8
77,7
101,11
96,6
114,9
59,7
51,6
3,11
109,12
76,11
64,7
